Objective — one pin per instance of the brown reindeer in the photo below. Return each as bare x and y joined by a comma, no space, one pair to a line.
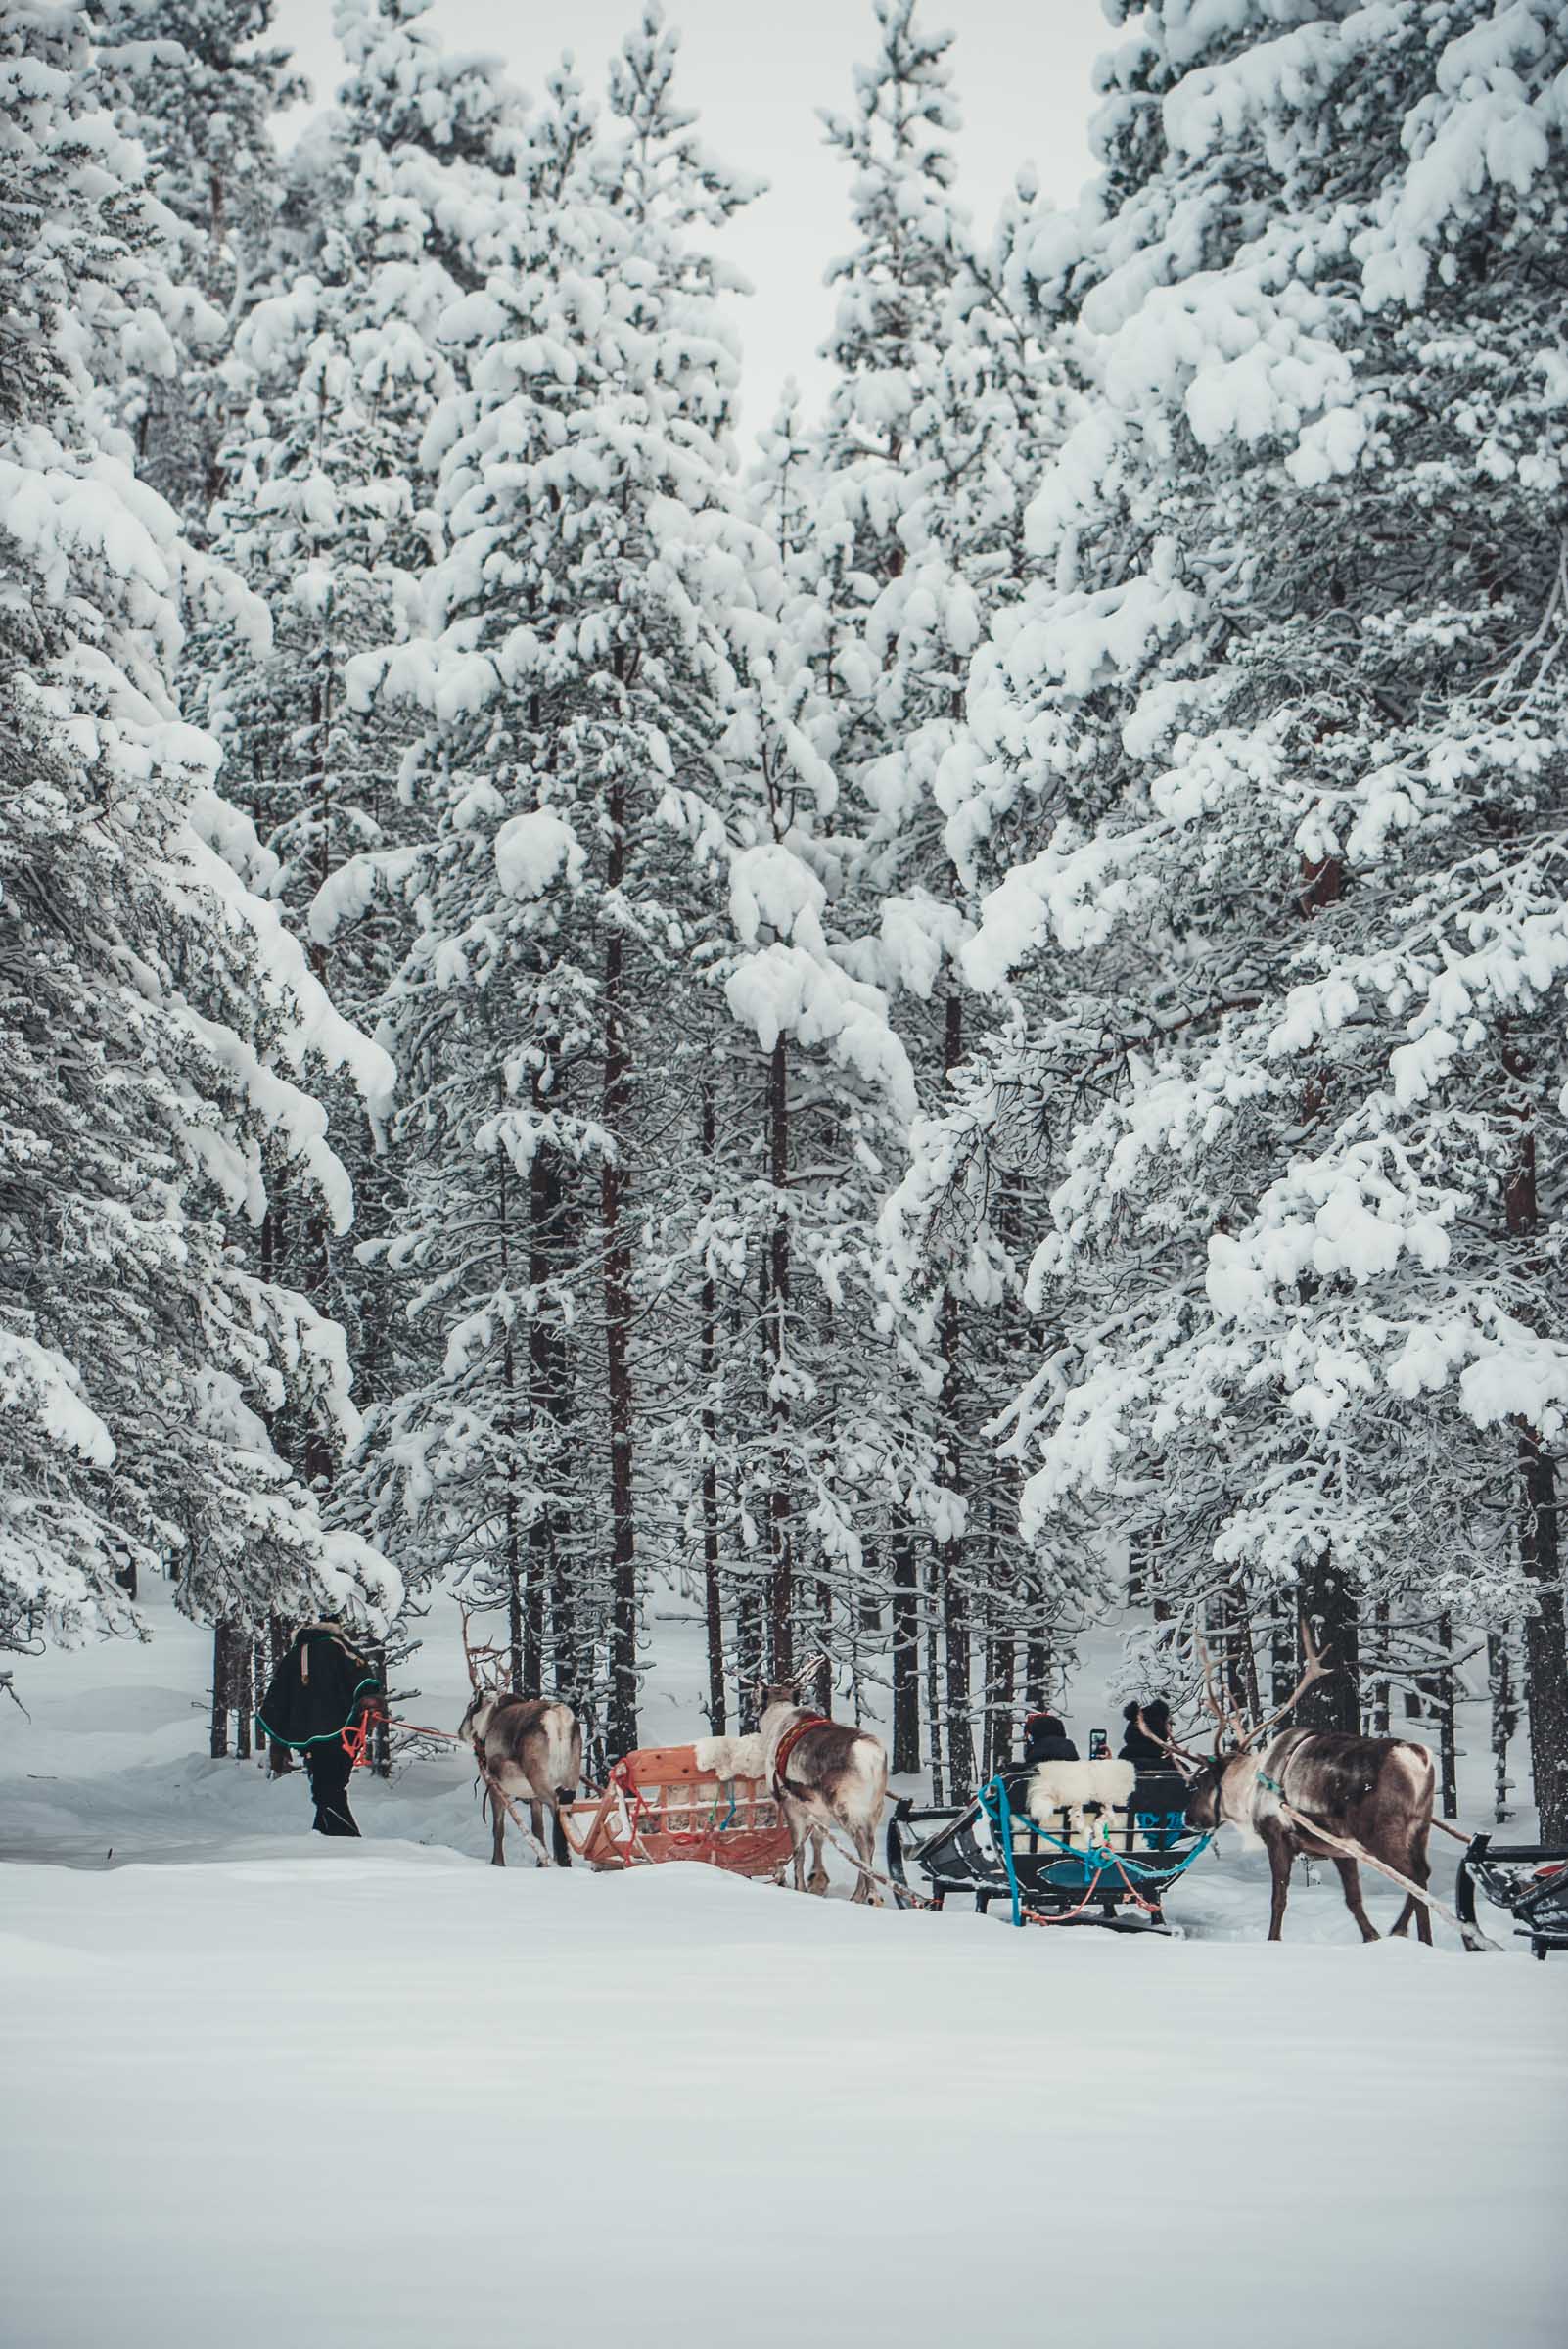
825,1777
529,1749
1370,1793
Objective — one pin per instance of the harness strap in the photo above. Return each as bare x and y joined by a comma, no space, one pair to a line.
786,1748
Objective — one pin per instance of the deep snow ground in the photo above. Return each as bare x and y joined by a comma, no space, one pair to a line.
321,2097
286,2094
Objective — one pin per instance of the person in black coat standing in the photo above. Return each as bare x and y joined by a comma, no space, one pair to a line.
1045,1739
322,1687
1146,1727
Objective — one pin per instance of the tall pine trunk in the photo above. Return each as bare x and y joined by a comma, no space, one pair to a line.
511,1537
547,1414
708,1357
222,1655
905,1647
781,1578
1328,1607
954,1587
618,1308
1545,1631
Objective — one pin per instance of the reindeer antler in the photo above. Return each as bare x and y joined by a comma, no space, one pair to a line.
478,1658
1179,1754
1317,1670
1227,1722
812,1665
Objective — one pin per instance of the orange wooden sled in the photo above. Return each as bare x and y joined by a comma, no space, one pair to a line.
659,1805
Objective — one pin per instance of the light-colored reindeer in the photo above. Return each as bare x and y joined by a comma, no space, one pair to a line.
825,1777
529,1749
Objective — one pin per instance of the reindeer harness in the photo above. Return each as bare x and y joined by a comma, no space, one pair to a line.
786,1748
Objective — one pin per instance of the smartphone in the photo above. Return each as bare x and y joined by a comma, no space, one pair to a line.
1099,1746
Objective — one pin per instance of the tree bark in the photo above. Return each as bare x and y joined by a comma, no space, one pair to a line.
956,1608
781,1581
1545,1631
218,1742
1238,1665
1037,1649
751,1642
617,1304
708,1358
1282,1664
511,1541
1448,1726
1381,1691
905,1647
1001,1661
932,1682
1504,1720
547,1403
240,1696
1545,1640
1328,1603
280,1757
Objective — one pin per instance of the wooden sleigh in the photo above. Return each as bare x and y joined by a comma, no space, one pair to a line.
661,1804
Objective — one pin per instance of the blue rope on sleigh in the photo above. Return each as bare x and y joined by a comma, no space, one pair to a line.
1094,1861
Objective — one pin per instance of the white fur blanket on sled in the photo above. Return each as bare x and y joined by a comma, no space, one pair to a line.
731,1757
1062,1795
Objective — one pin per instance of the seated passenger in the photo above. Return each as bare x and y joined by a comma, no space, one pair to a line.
1045,1739
1147,1731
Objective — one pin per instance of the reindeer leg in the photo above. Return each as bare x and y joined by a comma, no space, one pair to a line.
819,1874
864,1845
497,1829
1279,1858
798,1824
1420,1874
1349,1875
1418,1868
537,1822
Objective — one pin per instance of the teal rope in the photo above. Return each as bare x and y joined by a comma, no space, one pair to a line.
1003,1827
1096,1861
298,1744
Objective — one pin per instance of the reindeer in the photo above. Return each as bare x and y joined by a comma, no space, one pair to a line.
1369,1797
824,1776
527,1748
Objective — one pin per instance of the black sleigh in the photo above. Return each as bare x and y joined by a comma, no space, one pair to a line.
1087,1858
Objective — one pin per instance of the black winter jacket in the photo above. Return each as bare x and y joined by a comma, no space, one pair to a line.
317,1689
1044,1740
1137,1746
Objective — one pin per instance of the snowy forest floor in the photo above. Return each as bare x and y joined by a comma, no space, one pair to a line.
267,2090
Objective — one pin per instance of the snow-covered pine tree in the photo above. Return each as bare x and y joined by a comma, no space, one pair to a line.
804,1096
335,372
1289,720
564,678
943,408
197,84
158,1019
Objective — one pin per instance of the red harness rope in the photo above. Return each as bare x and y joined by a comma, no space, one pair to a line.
787,1745
356,1737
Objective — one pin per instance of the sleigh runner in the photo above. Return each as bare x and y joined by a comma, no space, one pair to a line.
1067,1843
